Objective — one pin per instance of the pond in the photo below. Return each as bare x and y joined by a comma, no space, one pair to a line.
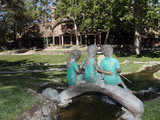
89,108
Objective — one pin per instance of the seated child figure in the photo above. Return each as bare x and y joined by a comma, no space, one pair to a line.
112,65
72,67
90,65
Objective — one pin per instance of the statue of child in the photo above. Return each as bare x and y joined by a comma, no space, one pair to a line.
90,65
72,67
112,65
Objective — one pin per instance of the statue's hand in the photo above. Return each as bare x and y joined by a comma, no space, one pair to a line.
110,73
106,72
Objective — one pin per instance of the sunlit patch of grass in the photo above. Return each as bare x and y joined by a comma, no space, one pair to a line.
134,58
131,67
152,110
14,101
37,58
7,87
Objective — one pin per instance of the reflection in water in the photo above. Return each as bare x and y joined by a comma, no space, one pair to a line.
89,108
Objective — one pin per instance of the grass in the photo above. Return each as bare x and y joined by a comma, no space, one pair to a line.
14,98
152,110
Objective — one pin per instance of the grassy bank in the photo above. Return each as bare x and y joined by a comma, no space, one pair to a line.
152,110
14,98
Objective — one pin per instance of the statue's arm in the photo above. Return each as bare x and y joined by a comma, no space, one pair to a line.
102,71
82,65
78,70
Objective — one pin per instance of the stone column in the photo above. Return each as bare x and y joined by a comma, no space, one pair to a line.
100,41
95,39
62,39
59,39
53,40
85,39
80,39
71,39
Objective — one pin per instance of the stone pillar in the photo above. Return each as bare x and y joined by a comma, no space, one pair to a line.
80,39
59,39
95,39
71,39
62,40
100,41
53,40
85,39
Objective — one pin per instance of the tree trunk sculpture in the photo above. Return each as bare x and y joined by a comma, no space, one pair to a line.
132,106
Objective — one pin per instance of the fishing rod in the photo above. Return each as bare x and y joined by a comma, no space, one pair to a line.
126,78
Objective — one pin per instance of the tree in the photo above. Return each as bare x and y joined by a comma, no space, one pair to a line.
13,17
144,11
40,12
17,16
97,16
69,9
136,16
87,15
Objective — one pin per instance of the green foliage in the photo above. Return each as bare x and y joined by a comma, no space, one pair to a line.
95,15
89,15
13,17
152,18
99,15
17,16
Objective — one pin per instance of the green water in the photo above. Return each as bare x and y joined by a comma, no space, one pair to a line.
142,81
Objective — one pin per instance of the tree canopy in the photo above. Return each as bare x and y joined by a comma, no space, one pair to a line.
136,16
